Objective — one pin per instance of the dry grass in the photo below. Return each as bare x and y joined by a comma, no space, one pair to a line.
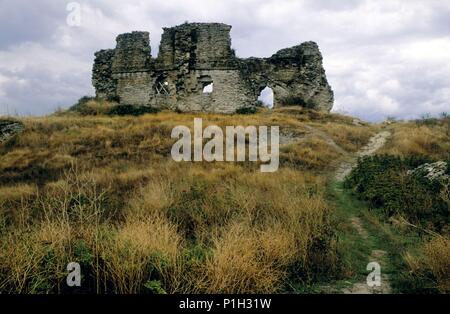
104,191
412,139
138,248
437,258
349,136
313,154
175,208
428,264
243,260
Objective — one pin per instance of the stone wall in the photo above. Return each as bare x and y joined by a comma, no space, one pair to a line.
192,56
134,88
197,46
229,92
295,75
132,53
105,85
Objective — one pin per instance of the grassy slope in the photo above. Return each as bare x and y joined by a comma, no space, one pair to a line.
88,187
104,191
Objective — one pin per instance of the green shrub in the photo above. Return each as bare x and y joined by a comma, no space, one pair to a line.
298,101
130,110
154,287
83,253
384,182
246,110
91,106
427,120
81,103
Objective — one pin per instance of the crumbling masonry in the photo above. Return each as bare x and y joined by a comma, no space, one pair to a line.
193,56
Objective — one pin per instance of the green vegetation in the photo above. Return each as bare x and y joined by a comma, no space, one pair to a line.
297,101
246,110
408,212
383,181
90,106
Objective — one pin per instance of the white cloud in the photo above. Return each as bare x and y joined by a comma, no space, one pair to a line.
435,50
36,80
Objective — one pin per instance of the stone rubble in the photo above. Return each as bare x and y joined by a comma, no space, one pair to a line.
9,128
436,171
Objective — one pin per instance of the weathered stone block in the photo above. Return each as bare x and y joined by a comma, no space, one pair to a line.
105,85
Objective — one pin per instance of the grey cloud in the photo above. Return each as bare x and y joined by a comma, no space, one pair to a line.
332,5
23,20
37,95
382,57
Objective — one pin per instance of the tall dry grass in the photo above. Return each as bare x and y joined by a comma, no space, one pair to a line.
138,248
437,259
275,220
412,139
314,154
243,260
349,136
104,192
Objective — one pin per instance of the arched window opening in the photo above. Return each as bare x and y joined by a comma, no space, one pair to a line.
208,89
206,84
266,97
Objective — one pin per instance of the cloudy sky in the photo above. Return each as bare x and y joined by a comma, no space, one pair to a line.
382,57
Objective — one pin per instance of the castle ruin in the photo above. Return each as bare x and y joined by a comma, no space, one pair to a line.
196,70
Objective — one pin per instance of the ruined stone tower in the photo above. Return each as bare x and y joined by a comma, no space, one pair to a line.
193,56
